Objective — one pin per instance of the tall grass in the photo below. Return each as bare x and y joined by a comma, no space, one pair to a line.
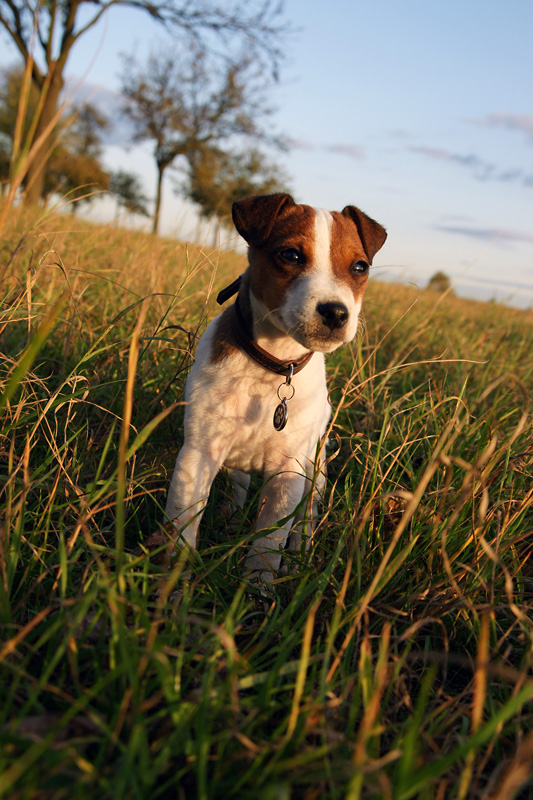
394,662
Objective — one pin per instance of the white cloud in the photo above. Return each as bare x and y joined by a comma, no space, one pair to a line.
521,123
483,170
488,234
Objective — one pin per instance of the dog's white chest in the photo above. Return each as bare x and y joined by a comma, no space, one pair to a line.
234,410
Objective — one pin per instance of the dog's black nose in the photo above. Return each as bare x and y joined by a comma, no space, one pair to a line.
335,315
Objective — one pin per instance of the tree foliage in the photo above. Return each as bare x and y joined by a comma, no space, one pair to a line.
187,109
217,178
75,175
59,24
10,92
128,192
439,282
75,166
5,153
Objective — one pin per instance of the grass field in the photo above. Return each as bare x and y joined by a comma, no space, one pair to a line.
395,663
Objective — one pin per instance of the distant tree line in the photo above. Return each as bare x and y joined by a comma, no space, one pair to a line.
198,108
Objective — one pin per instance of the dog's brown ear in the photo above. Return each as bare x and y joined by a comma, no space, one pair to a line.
254,216
371,233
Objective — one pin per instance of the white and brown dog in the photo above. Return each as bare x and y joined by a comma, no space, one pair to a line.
256,396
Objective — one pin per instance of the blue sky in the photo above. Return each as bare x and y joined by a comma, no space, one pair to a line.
420,113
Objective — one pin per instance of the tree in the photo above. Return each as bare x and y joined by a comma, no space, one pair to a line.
187,108
217,178
59,24
74,163
439,282
127,190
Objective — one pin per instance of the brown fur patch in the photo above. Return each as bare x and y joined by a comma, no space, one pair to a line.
345,250
371,233
270,277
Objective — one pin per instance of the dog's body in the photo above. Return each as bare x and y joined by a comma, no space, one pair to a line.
299,298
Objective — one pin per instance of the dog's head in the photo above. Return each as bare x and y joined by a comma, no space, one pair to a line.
308,267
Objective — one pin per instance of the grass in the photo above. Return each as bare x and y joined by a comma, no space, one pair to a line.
395,662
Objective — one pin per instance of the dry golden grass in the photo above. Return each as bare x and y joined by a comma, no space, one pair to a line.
395,662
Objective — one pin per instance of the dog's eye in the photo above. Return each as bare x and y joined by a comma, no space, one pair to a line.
291,255
359,267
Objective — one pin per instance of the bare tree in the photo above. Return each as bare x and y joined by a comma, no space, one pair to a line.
46,32
187,108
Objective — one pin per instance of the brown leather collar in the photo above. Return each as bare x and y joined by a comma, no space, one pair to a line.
246,342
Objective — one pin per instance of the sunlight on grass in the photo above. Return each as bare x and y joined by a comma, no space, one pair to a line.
394,662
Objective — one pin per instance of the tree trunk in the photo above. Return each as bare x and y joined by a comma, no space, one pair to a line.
45,127
160,169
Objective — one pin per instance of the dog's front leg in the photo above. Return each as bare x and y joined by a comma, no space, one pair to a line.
280,496
193,475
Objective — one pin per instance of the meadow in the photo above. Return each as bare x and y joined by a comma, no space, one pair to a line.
395,662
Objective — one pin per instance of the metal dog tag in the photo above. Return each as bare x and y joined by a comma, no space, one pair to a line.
281,415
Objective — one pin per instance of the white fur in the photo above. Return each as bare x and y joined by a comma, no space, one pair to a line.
230,406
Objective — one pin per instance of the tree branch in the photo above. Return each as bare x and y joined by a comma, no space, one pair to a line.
16,33
258,28
47,46
69,37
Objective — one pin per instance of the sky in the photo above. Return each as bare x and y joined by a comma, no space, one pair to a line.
420,113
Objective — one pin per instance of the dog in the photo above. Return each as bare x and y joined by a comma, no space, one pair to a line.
256,396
